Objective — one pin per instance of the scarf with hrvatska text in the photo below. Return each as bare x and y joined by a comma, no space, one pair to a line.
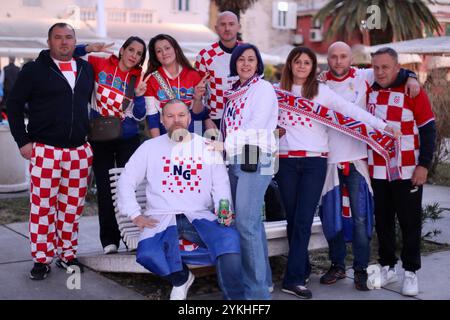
381,142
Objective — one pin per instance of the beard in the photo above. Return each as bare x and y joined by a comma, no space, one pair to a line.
341,74
177,133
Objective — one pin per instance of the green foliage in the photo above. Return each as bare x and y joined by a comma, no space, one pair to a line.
236,6
399,20
430,213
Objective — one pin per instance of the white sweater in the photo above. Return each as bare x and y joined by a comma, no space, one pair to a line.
255,121
181,178
312,136
353,88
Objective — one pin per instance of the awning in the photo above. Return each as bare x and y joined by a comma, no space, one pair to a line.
21,48
361,55
283,51
25,39
431,45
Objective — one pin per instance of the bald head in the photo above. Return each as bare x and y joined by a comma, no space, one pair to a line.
227,14
339,46
339,58
227,28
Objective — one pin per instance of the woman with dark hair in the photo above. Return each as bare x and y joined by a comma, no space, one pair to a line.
249,121
171,76
303,161
113,76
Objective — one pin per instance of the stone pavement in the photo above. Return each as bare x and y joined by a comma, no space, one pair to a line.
15,263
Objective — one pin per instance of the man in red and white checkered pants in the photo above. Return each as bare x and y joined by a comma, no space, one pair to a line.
57,89
402,198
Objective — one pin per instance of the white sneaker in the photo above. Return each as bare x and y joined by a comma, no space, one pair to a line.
111,248
271,289
180,293
388,276
410,284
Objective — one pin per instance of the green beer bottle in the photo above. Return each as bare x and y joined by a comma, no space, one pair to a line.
224,211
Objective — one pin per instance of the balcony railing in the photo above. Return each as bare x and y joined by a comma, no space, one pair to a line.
119,15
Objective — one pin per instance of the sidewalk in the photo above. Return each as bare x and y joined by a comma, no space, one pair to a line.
15,263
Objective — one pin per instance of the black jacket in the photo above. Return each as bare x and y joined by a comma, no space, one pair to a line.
58,116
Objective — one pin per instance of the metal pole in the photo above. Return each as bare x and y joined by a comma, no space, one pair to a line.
101,19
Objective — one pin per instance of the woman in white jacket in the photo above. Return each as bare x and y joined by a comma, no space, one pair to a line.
303,161
250,119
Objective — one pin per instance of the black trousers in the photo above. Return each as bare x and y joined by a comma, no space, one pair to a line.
108,155
399,198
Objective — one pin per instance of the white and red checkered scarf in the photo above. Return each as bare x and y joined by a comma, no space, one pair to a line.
236,98
381,142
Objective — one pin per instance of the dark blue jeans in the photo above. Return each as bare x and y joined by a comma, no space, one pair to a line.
228,266
361,240
300,181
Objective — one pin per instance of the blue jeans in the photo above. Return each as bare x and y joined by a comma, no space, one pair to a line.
248,189
228,266
300,181
361,240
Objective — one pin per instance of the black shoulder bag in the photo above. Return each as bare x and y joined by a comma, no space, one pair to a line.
110,127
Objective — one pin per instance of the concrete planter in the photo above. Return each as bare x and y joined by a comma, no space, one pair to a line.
13,168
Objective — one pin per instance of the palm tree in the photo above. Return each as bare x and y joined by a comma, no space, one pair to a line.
236,6
399,19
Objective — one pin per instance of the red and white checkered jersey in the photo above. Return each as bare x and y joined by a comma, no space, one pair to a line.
182,85
216,62
110,85
69,70
407,115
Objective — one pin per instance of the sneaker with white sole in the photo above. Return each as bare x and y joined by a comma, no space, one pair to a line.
410,284
388,275
111,248
180,293
71,266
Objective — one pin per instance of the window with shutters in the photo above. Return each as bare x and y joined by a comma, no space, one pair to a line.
284,15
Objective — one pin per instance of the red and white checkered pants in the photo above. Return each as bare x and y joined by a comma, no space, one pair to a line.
59,180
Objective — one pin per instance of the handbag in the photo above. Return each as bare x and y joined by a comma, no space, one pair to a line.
110,127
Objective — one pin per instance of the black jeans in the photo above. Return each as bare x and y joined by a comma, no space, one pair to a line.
108,155
404,200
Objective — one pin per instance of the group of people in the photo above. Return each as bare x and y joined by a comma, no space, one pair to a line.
253,132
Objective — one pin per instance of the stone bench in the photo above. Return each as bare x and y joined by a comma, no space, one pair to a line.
126,261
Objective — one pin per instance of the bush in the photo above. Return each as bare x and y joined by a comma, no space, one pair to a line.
431,212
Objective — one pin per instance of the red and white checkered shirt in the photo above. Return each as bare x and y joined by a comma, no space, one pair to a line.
406,114
216,62
110,85
69,70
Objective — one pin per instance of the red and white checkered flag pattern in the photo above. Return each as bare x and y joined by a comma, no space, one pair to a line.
108,102
59,179
218,81
69,70
186,245
390,106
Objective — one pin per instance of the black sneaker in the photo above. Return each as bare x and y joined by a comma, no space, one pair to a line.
361,280
298,291
67,265
334,274
40,271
